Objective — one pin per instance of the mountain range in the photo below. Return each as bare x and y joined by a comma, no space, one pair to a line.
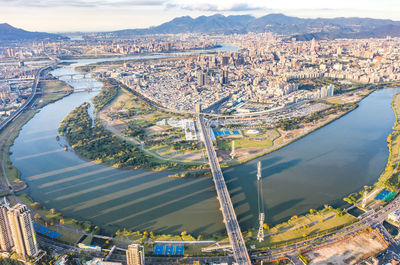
300,28
9,33
289,27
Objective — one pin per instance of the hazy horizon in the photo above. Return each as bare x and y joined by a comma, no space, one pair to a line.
105,15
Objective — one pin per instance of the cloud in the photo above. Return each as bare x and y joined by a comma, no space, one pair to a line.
208,7
82,3
186,5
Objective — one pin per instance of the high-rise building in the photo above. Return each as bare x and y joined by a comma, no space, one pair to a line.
225,77
201,78
326,91
21,224
6,241
314,45
135,255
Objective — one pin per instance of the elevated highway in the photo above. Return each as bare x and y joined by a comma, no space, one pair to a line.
240,253
35,91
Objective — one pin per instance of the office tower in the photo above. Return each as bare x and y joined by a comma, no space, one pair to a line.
201,78
135,255
23,235
224,79
314,45
6,241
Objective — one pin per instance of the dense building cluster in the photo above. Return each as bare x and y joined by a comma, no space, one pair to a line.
16,80
90,44
265,70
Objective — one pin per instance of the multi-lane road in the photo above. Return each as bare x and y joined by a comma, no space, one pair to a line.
16,113
240,253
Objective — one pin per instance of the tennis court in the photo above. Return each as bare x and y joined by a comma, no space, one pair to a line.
385,195
45,231
169,250
221,133
179,250
158,249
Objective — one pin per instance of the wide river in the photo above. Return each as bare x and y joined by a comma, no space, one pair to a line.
318,169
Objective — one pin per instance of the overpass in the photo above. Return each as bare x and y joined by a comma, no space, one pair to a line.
240,253
35,91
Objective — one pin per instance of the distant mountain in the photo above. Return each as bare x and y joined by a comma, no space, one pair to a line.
9,33
301,28
216,24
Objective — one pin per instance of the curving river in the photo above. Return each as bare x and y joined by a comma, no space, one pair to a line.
319,169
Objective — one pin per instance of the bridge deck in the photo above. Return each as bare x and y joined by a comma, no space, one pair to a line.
232,226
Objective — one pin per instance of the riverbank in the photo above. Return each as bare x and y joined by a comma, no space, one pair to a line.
389,178
100,146
287,138
286,143
296,134
106,148
300,228
12,131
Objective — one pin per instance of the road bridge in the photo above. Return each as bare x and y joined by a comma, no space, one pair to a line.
240,253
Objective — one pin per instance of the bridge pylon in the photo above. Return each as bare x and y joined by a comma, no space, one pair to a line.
261,214
233,152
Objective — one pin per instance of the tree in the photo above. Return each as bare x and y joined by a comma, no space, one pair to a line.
152,235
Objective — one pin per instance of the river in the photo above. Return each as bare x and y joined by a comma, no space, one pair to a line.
318,169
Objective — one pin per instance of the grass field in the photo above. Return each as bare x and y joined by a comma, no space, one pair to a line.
335,101
50,86
265,140
49,98
303,229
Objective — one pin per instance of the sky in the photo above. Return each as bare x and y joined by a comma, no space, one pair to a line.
105,15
